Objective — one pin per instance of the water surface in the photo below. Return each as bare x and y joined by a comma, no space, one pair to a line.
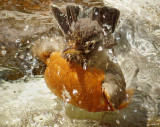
26,100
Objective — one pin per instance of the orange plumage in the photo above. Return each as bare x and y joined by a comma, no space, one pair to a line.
70,82
83,86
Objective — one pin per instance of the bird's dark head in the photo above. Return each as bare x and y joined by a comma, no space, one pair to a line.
84,38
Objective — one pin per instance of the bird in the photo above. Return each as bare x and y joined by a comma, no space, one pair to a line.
82,65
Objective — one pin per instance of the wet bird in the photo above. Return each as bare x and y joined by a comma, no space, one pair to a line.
88,36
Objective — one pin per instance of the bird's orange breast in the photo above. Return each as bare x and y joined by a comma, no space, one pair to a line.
70,82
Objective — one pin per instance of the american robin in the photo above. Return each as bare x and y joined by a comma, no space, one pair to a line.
82,71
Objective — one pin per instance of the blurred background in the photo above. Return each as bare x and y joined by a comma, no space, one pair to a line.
24,97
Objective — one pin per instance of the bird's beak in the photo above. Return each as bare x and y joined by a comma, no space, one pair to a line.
71,49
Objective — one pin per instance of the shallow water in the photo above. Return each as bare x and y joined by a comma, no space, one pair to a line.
26,100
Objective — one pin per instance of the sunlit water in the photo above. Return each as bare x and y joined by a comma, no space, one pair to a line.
25,99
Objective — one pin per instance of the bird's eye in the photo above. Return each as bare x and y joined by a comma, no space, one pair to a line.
90,46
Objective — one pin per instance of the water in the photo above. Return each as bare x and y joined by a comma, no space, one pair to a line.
26,100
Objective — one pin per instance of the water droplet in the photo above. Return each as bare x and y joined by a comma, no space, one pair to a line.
25,66
115,59
124,116
56,125
66,96
26,28
16,120
110,51
21,56
6,36
117,121
16,55
96,13
104,32
139,88
85,66
124,46
135,110
6,15
58,72
117,111
121,30
109,107
127,95
117,38
75,92
18,40
61,14
100,48
146,106
3,52
30,57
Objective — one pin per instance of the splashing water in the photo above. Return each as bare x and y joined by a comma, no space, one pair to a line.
26,101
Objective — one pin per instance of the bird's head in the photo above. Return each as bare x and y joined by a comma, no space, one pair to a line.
85,37
85,30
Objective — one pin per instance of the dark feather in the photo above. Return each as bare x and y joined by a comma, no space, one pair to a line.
61,19
106,16
72,13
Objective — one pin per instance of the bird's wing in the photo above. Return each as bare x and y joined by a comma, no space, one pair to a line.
72,13
60,18
114,86
114,90
107,17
